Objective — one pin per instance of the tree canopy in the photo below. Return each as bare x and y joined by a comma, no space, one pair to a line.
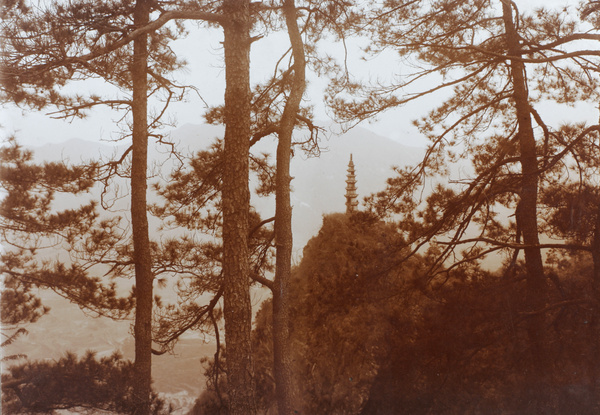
372,339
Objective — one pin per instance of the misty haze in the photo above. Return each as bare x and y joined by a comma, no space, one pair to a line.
299,207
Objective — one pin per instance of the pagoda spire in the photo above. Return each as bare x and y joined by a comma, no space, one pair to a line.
351,195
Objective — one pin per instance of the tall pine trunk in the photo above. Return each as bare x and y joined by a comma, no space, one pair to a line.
236,205
141,243
527,213
287,396
594,366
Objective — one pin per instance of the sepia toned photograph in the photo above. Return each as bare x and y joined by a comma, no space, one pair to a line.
300,207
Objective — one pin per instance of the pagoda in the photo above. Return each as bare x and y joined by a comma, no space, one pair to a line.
351,195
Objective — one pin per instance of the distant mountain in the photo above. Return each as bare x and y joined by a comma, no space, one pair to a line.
318,189
74,151
318,184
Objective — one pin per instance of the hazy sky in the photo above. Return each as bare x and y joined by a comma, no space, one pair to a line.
202,49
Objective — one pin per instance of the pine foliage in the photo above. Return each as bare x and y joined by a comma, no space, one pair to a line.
371,336
83,384
31,225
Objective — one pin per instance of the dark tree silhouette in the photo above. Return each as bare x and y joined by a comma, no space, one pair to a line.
371,338
70,383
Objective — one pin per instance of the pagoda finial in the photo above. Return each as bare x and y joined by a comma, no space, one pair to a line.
351,195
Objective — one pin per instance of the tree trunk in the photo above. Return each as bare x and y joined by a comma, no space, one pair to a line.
596,256
287,396
236,205
594,366
527,209
141,243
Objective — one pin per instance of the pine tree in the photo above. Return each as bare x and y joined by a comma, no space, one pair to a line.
498,63
70,383
287,395
94,40
29,225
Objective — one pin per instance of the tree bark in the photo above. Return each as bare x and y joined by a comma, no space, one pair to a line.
596,256
527,208
236,205
594,366
287,396
141,242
